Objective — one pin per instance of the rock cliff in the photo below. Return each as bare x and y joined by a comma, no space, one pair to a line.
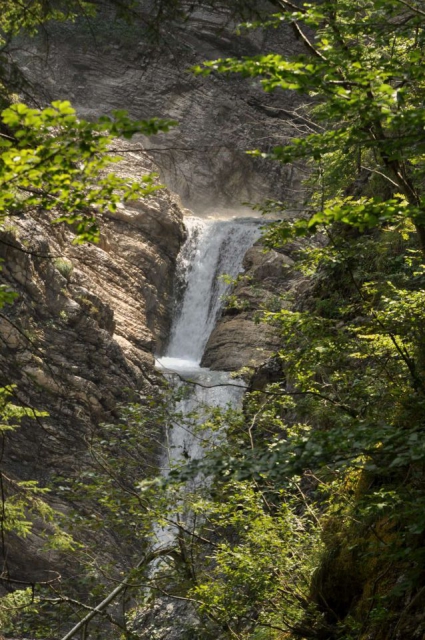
83,330
239,340
107,64
88,319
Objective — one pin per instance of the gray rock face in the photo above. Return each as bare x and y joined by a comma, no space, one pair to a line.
77,339
239,340
82,333
109,64
112,65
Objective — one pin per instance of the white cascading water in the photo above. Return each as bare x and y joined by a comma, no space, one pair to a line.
214,248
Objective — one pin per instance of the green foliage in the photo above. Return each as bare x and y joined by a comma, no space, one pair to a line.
23,501
11,414
15,18
12,605
351,413
57,162
64,267
260,559
363,69
7,295
52,161
311,523
351,407
120,458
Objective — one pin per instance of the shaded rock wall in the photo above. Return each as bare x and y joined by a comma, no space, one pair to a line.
107,64
80,337
75,343
239,340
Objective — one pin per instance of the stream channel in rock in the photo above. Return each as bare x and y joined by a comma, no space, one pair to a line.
215,247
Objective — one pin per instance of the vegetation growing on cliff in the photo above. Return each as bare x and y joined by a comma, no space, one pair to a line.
350,409
57,165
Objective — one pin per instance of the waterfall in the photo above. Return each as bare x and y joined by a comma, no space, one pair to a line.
214,247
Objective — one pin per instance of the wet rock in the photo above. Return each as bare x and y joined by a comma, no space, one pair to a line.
240,339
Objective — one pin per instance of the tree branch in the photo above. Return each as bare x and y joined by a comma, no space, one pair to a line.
113,594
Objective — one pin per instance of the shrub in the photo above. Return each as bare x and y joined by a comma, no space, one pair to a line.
64,267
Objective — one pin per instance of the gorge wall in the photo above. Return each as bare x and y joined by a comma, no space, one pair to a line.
317,484
107,64
81,335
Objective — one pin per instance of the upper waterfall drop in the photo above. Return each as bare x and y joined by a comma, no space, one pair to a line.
214,248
